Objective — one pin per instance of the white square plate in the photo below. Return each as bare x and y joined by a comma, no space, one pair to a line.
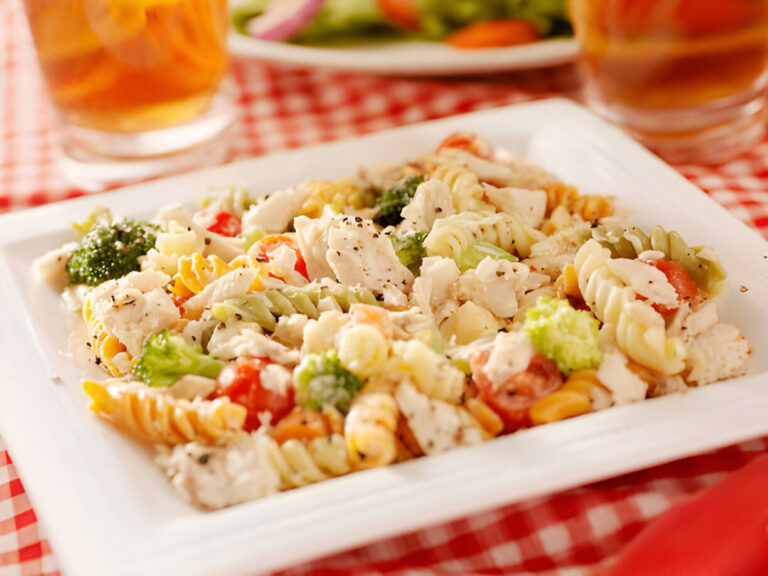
108,510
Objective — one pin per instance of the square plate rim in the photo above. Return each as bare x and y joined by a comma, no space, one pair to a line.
74,558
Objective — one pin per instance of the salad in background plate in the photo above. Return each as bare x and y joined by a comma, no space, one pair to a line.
464,24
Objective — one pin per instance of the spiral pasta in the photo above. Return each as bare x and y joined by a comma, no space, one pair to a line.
363,349
639,330
369,430
700,263
588,207
301,463
466,191
153,415
266,307
346,193
104,345
451,236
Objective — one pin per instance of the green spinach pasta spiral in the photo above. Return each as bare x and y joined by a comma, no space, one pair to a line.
266,307
629,242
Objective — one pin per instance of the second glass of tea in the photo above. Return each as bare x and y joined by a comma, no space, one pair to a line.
686,77
139,85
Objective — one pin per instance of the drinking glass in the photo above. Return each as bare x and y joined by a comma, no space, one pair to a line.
686,77
140,86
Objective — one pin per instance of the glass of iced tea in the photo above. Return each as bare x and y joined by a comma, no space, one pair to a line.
139,85
686,77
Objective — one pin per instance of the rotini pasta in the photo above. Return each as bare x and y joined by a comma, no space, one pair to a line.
638,329
342,195
150,414
699,262
451,236
586,206
266,307
370,430
108,349
301,463
466,191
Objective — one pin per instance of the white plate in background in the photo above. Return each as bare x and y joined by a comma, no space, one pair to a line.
108,510
409,58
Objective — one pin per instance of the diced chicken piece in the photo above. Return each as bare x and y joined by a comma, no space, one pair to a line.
275,212
530,205
51,267
219,476
312,236
511,353
191,386
361,255
241,339
320,334
432,201
437,426
646,280
718,353
625,385
495,285
232,284
134,307
282,263
436,284
505,170
290,329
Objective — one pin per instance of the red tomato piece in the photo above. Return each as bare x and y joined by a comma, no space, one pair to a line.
494,33
265,247
469,142
225,224
513,399
240,381
403,13
686,288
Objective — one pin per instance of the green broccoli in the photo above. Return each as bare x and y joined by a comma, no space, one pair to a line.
409,247
322,379
167,356
478,252
395,198
565,335
110,251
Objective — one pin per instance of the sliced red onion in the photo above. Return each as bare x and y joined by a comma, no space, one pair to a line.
284,19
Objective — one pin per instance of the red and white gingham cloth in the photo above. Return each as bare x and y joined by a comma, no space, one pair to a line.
572,533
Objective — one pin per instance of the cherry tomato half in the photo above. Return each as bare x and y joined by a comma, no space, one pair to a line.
225,224
403,13
686,288
241,382
264,248
512,399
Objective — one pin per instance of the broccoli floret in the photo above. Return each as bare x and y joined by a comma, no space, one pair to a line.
409,247
110,251
565,335
166,357
322,379
395,198
478,252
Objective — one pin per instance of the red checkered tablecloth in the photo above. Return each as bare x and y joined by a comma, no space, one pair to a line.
573,533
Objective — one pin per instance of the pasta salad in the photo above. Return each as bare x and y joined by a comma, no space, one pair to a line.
263,343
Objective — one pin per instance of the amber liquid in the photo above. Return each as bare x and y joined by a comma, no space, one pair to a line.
672,54
130,65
